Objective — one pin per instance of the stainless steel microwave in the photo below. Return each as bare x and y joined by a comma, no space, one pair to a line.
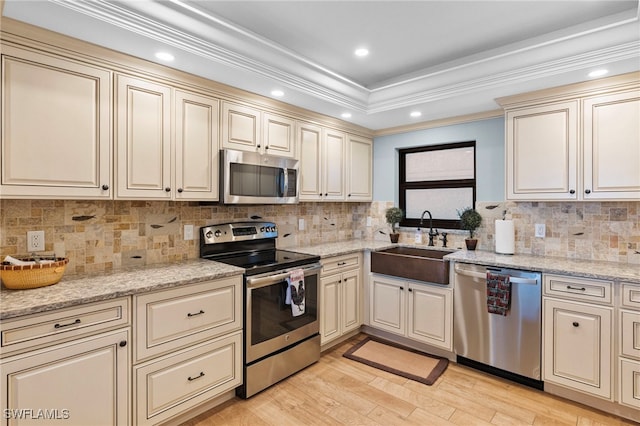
252,178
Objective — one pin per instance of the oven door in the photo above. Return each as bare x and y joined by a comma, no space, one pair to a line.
269,323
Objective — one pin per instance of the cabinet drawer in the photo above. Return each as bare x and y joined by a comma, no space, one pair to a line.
172,384
631,295
630,334
62,325
576,288
170,319
340,263
630,382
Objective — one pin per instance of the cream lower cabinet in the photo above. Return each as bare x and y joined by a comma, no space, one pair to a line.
188,347
340,296
56,127
70,366
419,311
629,353
578,334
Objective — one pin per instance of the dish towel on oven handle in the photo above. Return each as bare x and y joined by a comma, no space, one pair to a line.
295,292
498,293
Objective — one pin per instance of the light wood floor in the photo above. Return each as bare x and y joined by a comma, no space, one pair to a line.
339,391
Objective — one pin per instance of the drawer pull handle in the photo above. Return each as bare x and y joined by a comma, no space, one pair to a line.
576,324
576,288
77,321
197,313
342,263
191,379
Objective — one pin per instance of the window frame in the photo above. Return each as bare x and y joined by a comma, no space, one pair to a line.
403,185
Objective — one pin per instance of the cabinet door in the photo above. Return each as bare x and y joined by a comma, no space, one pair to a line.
56,127
541,152
360,169
630,334
279,135
334,148
143,131
611,138
351,300
430,315
310,153
630,382
196,147
577,346
330,308
387,306
241,127
83,382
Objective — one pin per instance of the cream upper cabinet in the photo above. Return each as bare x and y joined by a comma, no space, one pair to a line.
249,129
310,156
278,135
241,127
542,152
333,157
322,163
56,127
359,169
196,147
143,139
611,138
578,142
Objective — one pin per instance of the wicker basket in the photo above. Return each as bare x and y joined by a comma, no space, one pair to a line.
22,277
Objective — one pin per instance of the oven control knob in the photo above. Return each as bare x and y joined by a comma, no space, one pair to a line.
217,233
209,234
262,229
272,229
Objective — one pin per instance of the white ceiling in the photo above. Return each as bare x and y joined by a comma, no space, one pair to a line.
443,58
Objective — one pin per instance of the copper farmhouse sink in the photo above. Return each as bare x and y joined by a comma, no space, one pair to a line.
413,263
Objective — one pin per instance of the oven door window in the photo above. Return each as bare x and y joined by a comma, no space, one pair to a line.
271,317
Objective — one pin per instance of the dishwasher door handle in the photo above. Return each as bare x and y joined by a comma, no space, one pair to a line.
483,276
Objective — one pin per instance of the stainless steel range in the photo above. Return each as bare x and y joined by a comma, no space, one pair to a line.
281,327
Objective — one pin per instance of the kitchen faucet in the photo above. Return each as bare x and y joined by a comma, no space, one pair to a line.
432,233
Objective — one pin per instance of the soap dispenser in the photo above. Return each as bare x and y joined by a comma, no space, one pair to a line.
418,237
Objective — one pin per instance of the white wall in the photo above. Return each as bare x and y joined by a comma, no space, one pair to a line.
490,164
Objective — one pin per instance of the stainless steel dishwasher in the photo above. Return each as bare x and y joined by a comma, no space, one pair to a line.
508,346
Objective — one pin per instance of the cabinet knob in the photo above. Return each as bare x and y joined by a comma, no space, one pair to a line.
587,191
122,343
410,289
258,146
266,147
326,193
167,189
180,190
105,187
572,191
402,288
576,324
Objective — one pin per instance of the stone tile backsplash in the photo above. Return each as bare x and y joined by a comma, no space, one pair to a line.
106,235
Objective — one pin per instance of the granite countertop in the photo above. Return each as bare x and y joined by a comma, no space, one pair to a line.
557,265
78,290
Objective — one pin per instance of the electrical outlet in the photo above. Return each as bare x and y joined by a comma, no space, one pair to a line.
540,230
188,232
35,241
368,220
300,224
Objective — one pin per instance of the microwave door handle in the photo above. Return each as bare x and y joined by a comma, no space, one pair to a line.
282,182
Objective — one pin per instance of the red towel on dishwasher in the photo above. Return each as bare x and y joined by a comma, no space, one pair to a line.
498,293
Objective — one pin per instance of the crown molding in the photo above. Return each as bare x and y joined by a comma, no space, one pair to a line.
450,121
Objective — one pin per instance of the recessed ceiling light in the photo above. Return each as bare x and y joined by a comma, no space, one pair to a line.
416,114
361,52
277,93
346,115
165,56
598,73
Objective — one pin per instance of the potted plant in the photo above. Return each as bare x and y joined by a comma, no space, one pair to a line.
393,215
470,220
